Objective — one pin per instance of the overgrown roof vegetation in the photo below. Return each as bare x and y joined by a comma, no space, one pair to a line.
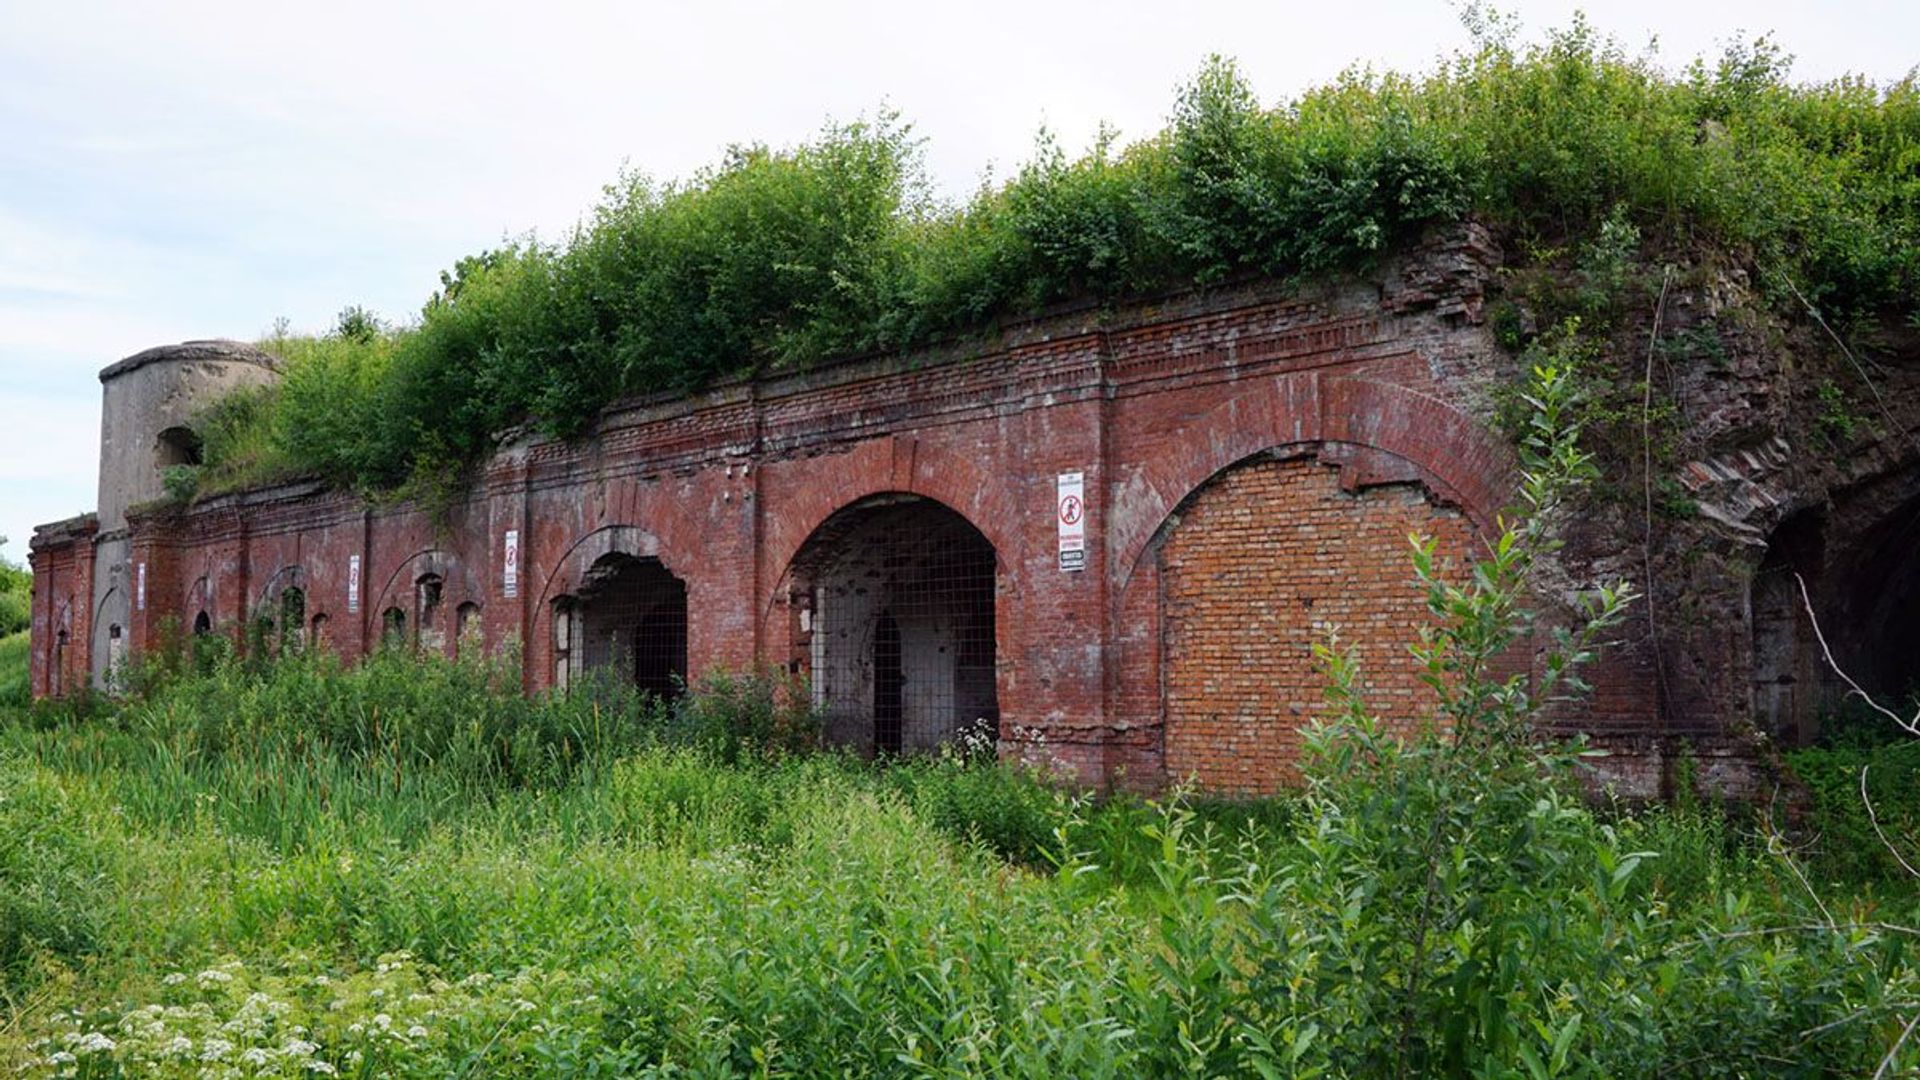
776,259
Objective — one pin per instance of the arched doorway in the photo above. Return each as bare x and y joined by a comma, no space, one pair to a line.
628,618
893,625
1854,566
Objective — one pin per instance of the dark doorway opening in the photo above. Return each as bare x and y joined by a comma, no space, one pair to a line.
893,626
628,620
889,682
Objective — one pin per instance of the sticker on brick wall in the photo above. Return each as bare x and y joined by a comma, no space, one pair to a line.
1071,515
510,565
140,587
353,584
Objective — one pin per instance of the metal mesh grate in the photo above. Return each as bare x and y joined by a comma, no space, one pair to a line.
894,625
629,620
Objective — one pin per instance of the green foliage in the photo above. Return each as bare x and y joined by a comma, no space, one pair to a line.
1862,761
16,595
14,657
779,259
733,715
1836,419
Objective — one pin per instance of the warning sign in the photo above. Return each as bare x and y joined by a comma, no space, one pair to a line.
1071,517
510,565
353,584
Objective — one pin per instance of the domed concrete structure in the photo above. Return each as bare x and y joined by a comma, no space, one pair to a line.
150,402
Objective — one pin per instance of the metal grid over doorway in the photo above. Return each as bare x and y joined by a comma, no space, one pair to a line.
893,603
628,620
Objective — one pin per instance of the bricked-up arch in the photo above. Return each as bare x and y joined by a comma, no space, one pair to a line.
891,605
1377,432
427,587
1259,565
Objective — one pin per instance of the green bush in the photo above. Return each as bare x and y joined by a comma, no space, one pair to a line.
16,596
14,674
1847,849
779,259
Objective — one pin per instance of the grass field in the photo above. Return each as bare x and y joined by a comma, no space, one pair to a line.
396,871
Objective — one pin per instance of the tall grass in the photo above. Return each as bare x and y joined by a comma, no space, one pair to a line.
396,870
402,870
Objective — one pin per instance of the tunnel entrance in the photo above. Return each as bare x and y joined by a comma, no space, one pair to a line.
1861,566
893,625
628,619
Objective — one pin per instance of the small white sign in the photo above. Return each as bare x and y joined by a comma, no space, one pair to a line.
1070,514
140,587
353,584
510,567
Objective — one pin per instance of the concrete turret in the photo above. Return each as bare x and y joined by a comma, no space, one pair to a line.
149,404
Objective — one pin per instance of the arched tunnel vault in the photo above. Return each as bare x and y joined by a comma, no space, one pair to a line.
893,625
1860,561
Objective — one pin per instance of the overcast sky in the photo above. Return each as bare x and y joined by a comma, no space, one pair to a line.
186,170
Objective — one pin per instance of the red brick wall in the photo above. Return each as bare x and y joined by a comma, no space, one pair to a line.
1264,562
724,487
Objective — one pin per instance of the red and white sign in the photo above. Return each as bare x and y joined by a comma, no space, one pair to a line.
510,565
1070,514
353,584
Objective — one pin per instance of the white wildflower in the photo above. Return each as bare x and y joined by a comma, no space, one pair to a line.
174,978
94,1042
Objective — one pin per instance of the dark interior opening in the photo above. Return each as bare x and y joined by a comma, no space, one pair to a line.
1877,640
177,446
393,628
293,618
1860,563
888,683
1788,683
428,621
466,627
893,625
202,625
630,618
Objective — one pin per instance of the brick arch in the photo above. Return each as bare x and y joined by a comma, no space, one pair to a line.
569,567
905,554
291,576
880,467
1456,457
579,557
450,567
898,466
199,599
1370,433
